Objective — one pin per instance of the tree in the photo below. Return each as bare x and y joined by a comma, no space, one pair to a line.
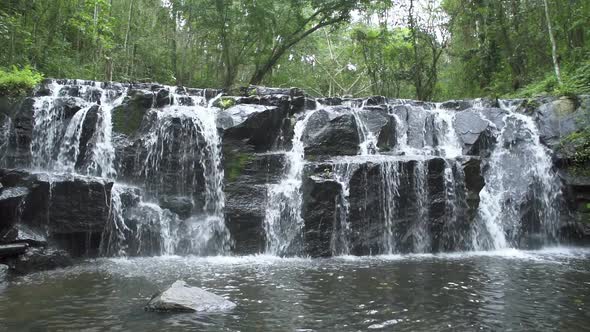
553,44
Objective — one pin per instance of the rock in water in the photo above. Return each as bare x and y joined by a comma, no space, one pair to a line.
183,298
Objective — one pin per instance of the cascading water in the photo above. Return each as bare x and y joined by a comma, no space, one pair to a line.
339,242
183,158
56,138
436,137
519,177
283,222
5,131
70,146
447,142
102,156
408,195
73,134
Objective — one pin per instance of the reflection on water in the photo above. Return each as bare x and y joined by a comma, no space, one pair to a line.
506,290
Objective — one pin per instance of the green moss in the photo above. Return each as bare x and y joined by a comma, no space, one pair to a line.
252,92
226,102
235,163
127,118
18,82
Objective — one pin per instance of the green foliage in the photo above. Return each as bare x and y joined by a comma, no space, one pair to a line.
577,144
458,49
576,81
17,82
580,143
225,102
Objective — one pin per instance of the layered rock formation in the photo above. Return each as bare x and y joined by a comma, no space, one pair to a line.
144,169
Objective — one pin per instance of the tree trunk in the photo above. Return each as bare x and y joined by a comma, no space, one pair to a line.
553,44
127,31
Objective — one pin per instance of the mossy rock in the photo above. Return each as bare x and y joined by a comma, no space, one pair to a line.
128,116
234,165
225,102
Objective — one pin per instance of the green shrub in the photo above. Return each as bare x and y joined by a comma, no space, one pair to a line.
225,103
577,144
18,82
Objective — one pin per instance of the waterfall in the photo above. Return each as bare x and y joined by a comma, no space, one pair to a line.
5,132
339,241
447,142
283,222
183,157
113,238
56,141
70,145
390,176
519,166
103,153
47,128
420,229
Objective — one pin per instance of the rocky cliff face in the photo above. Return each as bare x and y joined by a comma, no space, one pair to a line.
145,169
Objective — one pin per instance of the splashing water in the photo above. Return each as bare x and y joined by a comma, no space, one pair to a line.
519,174
283,222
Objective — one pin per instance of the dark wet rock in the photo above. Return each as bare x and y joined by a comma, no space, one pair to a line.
183,298
315,123
70,211
262,90
37,259
11,205
557,119
474,132
88,131
375,118
575,233
320,213
18,153
495,116
338,138
426,204
474,183
263,131
241,112
128,116
576,182
387,138
12,249
376,100
247,176
245,210
418,122
162,98
180,205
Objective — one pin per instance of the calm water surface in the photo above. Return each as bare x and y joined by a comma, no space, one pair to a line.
547,290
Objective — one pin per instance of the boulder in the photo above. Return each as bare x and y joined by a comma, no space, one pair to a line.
181,205
183,298
557,119
37,259
69,211
11,204
475,132
127,117
262,130
241,112
339,137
